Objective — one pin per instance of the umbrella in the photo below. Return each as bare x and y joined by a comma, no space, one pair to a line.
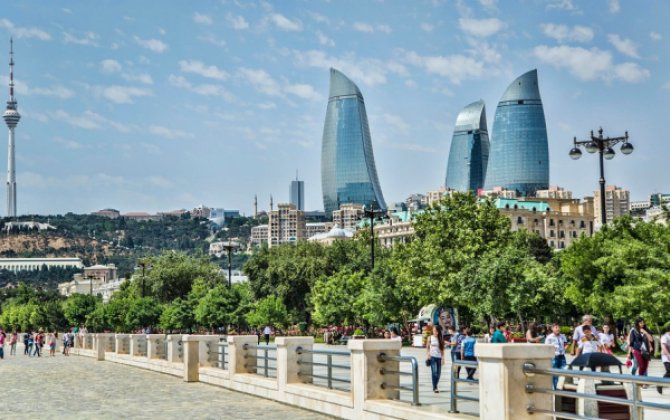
594,360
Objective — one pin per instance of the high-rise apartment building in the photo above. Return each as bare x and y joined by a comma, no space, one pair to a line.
296,194
617,203
348,216
348,171
286,224
469,152
519,156
554,192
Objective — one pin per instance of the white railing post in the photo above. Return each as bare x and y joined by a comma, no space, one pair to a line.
288,369
366,377
236,348
191,358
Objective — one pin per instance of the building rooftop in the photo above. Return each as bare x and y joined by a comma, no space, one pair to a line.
510,203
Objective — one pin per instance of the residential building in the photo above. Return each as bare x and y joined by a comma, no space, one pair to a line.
220,216
348,171
141,216
28,225
348,216
33,264
259,235
201,211
519,155
286,224
296,194
659,199
433,197
554,192
317,228
96,280
415,201
498,192
469,152
617,203
397,229
334,234
110,213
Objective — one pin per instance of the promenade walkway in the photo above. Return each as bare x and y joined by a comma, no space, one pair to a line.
81,388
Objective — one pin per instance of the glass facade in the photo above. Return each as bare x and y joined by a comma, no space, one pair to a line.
519,158
348,172
297,194
469,152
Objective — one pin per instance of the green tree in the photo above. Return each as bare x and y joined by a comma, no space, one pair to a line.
142,312
77,307
216,307
269,311
339,299
178,315
173,273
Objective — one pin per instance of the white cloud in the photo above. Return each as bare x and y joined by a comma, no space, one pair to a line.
410,83
21,32
370,72
666,86
319,18
282,22
237,22
396,122
655,36
363,27
159,181
110,66
614,6
211,39
155,45
203,89
68,144
89,38
566,5
324,40
489,4
199,68
261,81
88,120
303,91
565,33
202,19
384,28
121,94
169,133
22,88
454,67
631,72
481,27
138,77
267,105
592,64
623,45
66,10
427,27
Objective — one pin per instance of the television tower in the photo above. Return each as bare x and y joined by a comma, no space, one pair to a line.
11,117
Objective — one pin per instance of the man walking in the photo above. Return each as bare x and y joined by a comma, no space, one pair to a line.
579,331
559,341
499,334
2,344
665,355
266,332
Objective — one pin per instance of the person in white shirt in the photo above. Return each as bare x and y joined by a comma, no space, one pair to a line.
607,340
266,332
587,320
588,343
559,341
665,355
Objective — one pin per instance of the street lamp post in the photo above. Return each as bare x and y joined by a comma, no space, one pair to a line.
143,264
371,214
229,248
602,145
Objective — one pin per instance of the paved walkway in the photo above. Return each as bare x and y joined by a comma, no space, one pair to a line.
80,388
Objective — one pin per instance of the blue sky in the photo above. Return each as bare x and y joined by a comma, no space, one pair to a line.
150,106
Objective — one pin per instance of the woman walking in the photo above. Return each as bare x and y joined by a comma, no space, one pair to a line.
435,348
52,344
12,343
640,343
606,338
532,335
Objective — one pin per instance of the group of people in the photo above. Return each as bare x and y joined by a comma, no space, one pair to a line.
586,338
34,342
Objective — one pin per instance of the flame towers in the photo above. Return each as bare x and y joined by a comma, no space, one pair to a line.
519,158
469,152
11,117
348,172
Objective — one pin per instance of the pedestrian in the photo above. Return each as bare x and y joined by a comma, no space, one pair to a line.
455,344
468,352
266,333
435,349
587,320
489,335
640,343
12,343
532,335
52,344
589,343
394,334
499,334
2,343
26,340
387,335
31,343
607,340
559,342
66,344
39,342
665,355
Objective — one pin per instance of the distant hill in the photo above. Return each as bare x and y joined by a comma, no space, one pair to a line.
97,239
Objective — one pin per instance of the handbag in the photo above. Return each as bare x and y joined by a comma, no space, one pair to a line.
427,362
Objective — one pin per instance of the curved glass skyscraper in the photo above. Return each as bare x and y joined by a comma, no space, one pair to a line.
519,158
348,172
469,152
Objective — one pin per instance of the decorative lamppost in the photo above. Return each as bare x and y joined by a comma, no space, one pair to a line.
142,264
371,212
229,246
602,145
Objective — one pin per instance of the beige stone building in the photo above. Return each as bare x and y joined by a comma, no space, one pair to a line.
259,235
554,192
617,203
97,279
348,216
316,228
286,225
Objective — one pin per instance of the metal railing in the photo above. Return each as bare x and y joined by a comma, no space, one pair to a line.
414,389
635,403
267,369
221,351
329,365
455,379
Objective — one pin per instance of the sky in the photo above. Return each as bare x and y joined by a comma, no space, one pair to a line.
156,106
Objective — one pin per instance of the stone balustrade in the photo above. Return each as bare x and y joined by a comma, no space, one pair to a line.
374,379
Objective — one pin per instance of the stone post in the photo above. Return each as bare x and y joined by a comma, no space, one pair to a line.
134,346
100,342
584,407
288,369
155,346
174,348
502,394
191,358
366,370
237,363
